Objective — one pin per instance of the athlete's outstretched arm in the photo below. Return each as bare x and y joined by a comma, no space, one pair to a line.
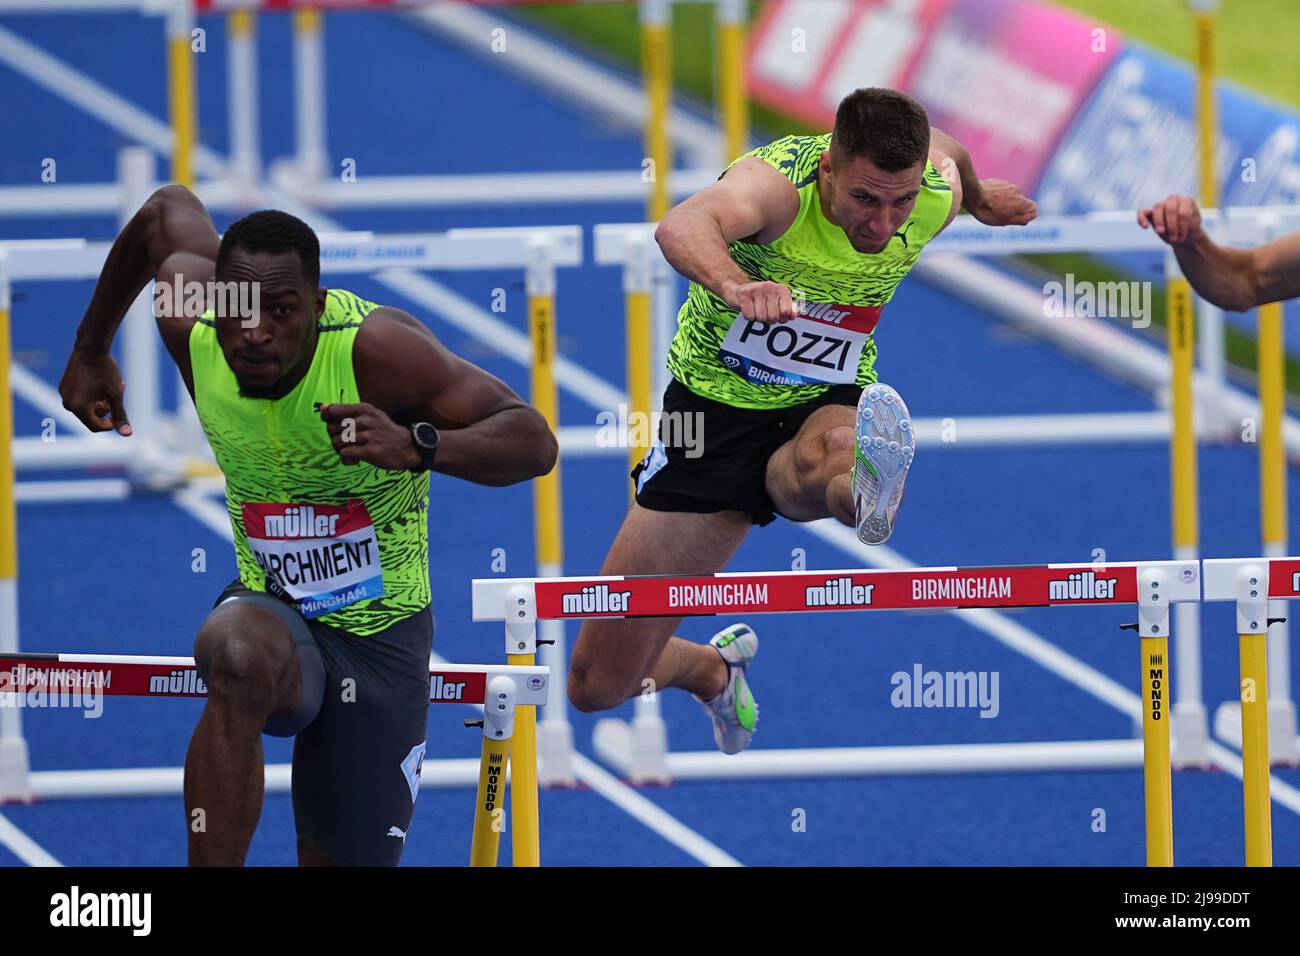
1231,278
488,435
170,236
751,201
991,201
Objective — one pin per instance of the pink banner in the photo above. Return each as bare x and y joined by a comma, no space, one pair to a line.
1005,77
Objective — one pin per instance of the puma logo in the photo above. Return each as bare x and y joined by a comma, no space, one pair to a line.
397,832
902,233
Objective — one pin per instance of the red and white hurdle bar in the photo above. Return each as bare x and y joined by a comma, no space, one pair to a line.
125,675
499,688
1153,586
122,675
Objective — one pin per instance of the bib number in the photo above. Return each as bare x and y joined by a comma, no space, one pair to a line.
322,557
822,346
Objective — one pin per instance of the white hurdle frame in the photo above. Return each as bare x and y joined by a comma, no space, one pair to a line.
1178,581
1218,410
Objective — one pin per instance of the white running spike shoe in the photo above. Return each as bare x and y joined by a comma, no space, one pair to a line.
882,453
734,711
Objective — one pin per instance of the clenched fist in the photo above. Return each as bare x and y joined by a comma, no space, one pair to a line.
362,432
1003,204
761,301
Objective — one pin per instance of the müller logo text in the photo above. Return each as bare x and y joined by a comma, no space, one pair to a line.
597,599
838,592
301,521
177,682
1082,586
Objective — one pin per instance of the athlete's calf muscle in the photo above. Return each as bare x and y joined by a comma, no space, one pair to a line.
612,657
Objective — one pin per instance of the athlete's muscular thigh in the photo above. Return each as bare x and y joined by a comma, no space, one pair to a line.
799,471
621,652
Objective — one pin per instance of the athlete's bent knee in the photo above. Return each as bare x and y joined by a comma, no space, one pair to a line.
590,693
837,442
239,663
815,459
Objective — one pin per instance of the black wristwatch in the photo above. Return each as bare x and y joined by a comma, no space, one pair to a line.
426,443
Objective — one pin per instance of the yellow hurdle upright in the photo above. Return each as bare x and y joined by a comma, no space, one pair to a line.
656,73
489,806
183,104
1183,359
1247,582
548,511
509,693
1155,751
640,353
8,505
733,98
1254,749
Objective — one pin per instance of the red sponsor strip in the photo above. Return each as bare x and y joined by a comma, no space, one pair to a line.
1283,578
835,591
292,521
47,675
854,318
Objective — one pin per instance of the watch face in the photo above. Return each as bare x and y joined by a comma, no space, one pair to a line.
426,435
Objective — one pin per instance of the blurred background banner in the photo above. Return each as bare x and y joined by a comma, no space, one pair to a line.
1005,77
1135,139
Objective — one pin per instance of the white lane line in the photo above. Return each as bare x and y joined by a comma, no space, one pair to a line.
1281,791
649,813
207,511
23,846
44,397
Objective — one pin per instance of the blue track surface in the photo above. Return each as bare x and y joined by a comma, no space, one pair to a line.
116,577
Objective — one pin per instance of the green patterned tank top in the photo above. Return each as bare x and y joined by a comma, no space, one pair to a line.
842,291
344,543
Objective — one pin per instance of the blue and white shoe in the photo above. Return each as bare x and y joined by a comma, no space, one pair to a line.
734,711
882,454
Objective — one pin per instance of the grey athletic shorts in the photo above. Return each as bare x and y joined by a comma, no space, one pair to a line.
359,733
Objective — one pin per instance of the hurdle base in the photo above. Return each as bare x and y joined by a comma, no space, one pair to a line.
639,749
889,761
555,754
1189,737
152,469
1283,744
15,771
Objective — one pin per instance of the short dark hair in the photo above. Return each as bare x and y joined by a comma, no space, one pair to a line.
887,127
270,230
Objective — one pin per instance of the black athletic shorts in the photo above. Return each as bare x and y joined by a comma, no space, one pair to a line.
718,462
359,734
